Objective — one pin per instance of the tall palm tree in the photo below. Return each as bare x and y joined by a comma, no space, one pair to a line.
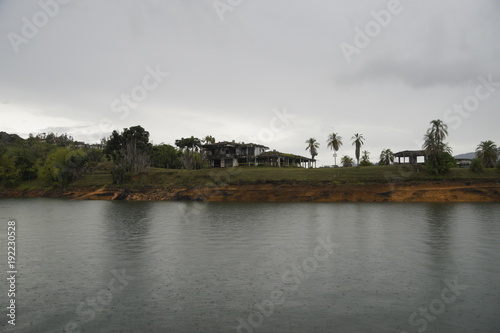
487,152
435,136
334,142
312,146
438,130
386,157
358,142
433,146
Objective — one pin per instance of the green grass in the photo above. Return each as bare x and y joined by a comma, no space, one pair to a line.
169,178
267,175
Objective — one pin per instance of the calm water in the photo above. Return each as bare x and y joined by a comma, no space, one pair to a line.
253,267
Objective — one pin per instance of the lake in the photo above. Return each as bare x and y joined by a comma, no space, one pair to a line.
110,266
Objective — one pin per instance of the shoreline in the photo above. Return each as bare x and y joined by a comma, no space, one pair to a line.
427,191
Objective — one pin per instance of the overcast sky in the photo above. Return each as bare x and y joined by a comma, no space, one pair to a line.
272,72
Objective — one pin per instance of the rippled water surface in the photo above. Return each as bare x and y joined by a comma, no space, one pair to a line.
99,266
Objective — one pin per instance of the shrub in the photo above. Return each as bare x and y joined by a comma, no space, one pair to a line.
119,175
476,166
440,164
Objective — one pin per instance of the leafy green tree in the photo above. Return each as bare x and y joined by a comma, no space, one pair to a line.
386,157
63,165
130,149
312,146
358,142
334,142
346,161
191,143
165,156
365,159
189,148
487,152
26,164
9,176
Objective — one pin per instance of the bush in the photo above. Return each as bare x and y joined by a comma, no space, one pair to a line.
440,164
497,167
63,166
476,166
119,175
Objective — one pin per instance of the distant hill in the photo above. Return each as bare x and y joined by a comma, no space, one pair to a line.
466,156
7,138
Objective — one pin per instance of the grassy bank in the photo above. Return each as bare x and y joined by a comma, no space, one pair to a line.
167,178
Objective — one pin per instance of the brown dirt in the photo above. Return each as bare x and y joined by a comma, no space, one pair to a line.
402,192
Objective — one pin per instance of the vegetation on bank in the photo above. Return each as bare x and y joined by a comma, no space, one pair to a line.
128,158
182,178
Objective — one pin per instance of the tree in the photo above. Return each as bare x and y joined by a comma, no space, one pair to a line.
189,150
312,146
165,156
63,165
358,142
8,174
189,143
25,162
346,161
334,142
476,166
439,159
487,152
130,149
365,159
209,139
386,157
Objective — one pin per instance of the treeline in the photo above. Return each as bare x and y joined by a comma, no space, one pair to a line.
58,160
55,159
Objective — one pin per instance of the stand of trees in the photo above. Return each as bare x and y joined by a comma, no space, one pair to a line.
55,159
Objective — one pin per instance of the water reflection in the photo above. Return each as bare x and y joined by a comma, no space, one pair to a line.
203,273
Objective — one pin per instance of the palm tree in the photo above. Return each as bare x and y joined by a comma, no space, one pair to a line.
335,142
386,157
312,146
487,152
209,139
358,142
438,130
435,136
365,159
346,161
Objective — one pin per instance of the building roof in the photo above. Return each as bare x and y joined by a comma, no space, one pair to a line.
275,153
410,153
233,144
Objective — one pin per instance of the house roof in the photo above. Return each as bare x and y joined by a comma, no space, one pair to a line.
233,144
275,153
410,153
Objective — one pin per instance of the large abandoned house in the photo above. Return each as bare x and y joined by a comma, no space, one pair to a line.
231,154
